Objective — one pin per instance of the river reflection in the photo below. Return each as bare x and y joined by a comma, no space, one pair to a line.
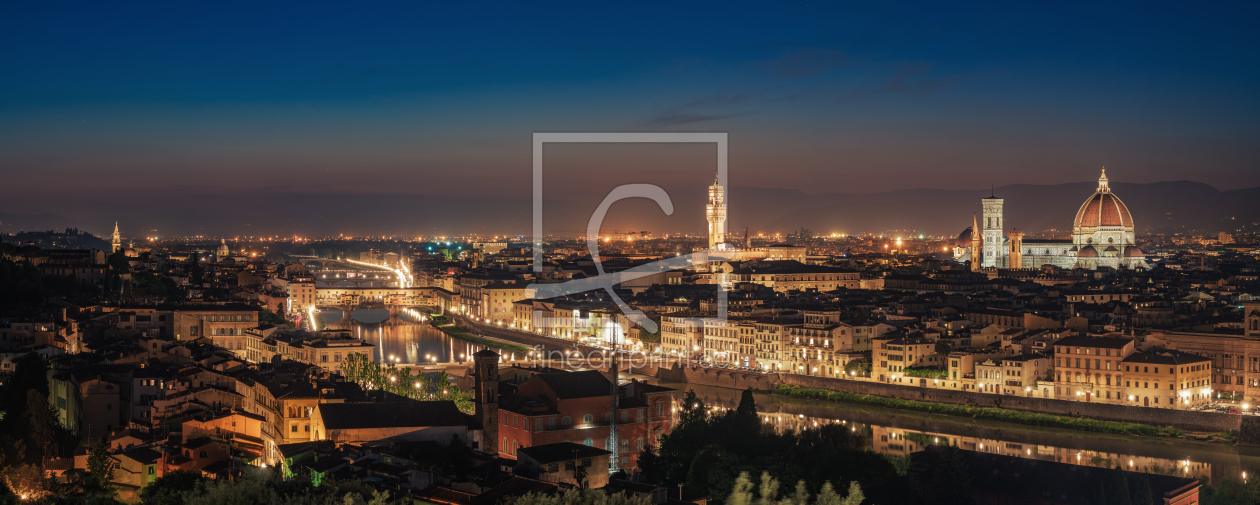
398,333
895,434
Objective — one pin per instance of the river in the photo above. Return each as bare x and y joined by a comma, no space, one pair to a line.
898,433
400,334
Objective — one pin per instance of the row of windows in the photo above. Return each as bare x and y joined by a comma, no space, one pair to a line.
229,318
1085,350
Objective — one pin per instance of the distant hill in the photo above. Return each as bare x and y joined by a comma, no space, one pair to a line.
58,239
13,223
1156,207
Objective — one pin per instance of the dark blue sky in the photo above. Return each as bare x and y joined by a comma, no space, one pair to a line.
214,99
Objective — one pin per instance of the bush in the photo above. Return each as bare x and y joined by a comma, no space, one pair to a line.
926,372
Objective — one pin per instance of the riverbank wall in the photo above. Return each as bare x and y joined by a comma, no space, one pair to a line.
1181,419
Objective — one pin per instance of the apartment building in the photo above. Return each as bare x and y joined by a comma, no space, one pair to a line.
1167,379
1088,368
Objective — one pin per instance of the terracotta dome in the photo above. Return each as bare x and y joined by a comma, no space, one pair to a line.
1087,252
1133,252
1103,209
964,238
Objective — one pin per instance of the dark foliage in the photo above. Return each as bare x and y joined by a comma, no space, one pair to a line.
707,450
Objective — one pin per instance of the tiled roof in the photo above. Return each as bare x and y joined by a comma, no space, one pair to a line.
1166,358
1103,342
563,451
587,384
342,416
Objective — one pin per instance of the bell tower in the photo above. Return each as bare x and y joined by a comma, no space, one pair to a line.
1015,254
715,212
486,398
117,242
975,245
995,253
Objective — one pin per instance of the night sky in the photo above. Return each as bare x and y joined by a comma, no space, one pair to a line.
167,114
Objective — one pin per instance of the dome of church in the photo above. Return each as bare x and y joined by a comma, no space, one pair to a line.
1087,252
964,238
1133,252
1103,209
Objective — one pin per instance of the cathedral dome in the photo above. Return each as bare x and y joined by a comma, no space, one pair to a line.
1087,252
964,238
1133,252
1103,209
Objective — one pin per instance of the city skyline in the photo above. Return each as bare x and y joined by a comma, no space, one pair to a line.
186,106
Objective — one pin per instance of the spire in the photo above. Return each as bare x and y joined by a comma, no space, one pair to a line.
1102,182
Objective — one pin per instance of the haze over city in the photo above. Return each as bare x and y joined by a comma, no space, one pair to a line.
299,107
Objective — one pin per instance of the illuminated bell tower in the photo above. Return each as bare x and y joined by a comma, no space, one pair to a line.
715,212
995,253
486,398
117,243
974,252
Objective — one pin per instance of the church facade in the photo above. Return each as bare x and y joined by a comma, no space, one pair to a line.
1102,236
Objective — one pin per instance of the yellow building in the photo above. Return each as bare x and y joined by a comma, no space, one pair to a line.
771,345
497,302
1088,368
302,294
891,356
681,336
1167,379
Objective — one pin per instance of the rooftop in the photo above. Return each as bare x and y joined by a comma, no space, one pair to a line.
562,451
347,416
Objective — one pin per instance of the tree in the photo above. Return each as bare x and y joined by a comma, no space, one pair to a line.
741,493
260,486
747,421
268,317
99,465
1117,488
951,482
170,488
358,368
1143,495
119,263
576,497
40,426
713,472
